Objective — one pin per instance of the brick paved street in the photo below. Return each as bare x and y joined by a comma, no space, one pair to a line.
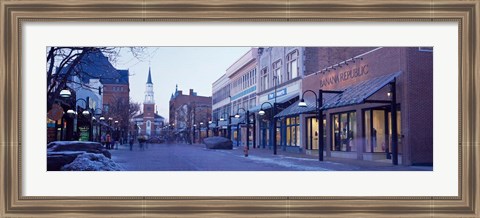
185,157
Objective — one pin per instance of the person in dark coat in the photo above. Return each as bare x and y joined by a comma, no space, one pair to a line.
131,144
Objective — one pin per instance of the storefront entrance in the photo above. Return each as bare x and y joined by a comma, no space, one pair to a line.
265,134
312,133
378,131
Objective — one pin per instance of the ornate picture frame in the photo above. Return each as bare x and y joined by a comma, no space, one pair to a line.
14,13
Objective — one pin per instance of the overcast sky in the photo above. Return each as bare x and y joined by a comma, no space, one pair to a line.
189,67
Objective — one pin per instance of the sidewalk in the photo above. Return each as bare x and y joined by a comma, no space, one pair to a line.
334,163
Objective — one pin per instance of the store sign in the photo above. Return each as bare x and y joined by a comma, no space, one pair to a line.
344,76
281,92
84,133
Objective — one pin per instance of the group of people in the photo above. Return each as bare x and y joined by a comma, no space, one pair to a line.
108,142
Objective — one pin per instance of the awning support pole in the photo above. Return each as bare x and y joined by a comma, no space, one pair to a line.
254,131
320,125
394,123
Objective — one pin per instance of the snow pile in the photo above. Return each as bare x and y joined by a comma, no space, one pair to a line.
92,162
217,142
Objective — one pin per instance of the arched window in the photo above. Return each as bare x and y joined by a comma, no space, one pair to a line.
149,127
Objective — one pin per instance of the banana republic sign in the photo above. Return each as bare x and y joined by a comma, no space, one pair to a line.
344,76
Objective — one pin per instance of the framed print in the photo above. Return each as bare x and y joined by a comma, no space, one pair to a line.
163,108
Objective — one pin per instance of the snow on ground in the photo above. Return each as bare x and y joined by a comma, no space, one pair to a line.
92,162
284,162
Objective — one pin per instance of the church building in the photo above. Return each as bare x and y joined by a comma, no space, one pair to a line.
149,123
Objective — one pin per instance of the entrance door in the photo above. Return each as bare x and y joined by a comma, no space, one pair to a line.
312,133
378,130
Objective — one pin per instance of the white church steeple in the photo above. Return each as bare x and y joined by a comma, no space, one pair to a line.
149,89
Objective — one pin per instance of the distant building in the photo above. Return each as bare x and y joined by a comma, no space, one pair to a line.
188,110
149,123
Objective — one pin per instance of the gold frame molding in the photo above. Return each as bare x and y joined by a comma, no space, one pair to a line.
14,12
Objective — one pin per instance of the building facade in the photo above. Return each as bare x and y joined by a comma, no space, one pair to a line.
149,123
281,73
358,87
221,105
243,94
189,114
357,122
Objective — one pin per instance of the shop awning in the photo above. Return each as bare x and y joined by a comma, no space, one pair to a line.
280,100
294,109
358,93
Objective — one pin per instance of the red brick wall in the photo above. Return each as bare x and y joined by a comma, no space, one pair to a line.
111,95
414,94
318,58
190,100
419,77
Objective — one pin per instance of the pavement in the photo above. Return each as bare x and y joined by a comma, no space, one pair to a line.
186,157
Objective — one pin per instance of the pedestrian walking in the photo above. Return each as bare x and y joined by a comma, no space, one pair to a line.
108,141
131,144
102,140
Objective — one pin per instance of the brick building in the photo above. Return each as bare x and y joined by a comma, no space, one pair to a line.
357,123
189,112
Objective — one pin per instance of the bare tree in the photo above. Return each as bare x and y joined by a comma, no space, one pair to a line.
65,63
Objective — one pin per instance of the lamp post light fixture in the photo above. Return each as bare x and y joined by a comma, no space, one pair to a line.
247,122
65,93
99,125
71,112
273,124
193,135
229,130
302,103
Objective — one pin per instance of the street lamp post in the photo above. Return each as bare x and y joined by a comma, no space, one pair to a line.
208,126
201,126
85,113
273,124
193,135
318,107
229,121
318,104
247,122
100,119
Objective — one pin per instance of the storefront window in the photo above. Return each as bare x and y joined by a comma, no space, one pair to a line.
278,132
292,131
343,126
